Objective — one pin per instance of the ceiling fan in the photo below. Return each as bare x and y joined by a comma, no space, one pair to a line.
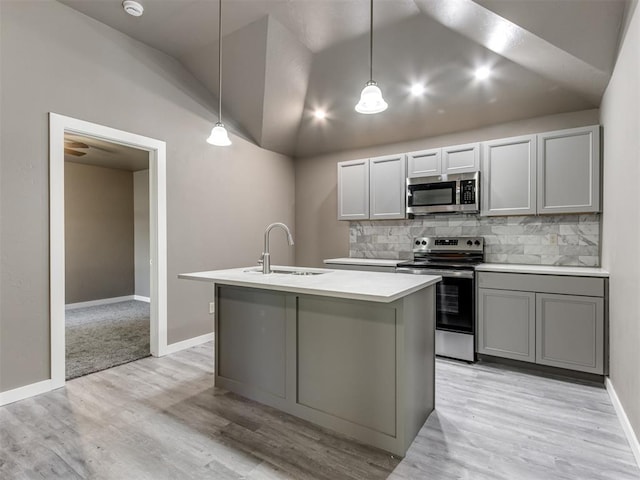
70,147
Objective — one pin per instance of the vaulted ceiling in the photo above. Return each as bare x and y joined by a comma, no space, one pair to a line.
283,59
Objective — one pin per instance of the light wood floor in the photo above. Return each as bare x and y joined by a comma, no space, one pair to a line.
160,418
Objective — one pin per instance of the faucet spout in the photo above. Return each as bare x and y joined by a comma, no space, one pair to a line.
266,261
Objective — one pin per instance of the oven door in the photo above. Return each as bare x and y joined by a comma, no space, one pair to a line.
455,303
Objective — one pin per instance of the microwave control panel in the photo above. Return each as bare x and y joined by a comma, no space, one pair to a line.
467,192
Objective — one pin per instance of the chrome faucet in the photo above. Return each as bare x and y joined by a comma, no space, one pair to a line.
265,259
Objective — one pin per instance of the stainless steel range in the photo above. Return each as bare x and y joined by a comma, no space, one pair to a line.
454,259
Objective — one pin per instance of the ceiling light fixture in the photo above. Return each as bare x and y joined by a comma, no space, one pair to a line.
219,136
483,73
133,8
417,89
371,100
320,114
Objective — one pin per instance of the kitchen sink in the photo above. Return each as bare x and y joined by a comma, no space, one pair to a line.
304,273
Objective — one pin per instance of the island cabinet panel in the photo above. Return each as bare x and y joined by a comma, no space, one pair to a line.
507,324
251,333
347,361
570,332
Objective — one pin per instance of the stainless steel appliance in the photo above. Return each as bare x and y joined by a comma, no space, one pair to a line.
455,193
454,259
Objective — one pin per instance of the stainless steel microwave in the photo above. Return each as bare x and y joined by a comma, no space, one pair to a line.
455,193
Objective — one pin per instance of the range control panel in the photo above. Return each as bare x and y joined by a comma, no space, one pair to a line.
448,244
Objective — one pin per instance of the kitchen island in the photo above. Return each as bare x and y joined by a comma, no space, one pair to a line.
349,351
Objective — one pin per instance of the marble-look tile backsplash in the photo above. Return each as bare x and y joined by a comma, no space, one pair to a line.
541,240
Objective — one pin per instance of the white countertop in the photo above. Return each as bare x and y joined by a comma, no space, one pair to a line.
353,284
543,269
363,261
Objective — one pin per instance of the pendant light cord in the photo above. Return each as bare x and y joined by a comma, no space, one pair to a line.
220,61
371,43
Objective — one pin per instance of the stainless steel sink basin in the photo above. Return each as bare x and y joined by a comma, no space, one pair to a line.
285,272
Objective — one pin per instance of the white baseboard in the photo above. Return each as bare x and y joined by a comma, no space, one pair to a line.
624,420
105,301
191,342
27,391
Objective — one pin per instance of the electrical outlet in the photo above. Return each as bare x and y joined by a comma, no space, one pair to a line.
212,307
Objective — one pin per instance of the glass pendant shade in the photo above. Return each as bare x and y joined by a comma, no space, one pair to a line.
371,100
219,136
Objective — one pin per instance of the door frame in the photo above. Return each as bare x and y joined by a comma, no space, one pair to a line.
58,126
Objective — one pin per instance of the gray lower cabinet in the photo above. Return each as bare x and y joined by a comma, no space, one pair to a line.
507,324
547,319
569,332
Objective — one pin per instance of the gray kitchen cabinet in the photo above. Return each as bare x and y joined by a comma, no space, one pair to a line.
507,324
424,163
569,171
553,320
353,190
372,188
569,332
387,187
509,176
461,158
446,160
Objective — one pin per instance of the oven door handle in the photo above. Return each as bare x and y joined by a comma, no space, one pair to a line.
435,271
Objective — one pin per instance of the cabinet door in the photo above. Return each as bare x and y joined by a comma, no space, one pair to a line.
387,187
509,176
569,332
569,171
461,158
506,324
353,190
424,163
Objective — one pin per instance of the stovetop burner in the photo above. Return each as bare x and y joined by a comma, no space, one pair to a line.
446,252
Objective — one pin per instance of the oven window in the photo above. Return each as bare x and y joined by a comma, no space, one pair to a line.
455,305
442,193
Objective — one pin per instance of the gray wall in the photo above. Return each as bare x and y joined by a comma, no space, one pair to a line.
322,236
98,230
620,116
219,200
141,238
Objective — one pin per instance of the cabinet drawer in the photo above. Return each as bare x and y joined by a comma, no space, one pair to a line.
561,284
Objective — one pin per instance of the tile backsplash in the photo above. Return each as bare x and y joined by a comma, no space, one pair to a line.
541,240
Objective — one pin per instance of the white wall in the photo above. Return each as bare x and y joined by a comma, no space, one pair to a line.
141,239
620,117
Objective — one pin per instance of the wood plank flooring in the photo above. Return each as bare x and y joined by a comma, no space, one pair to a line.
160,418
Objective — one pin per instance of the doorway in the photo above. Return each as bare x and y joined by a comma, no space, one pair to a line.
60,125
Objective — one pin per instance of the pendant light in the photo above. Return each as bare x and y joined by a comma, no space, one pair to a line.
371,100
219,135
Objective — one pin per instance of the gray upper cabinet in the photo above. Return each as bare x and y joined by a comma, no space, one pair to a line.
372,188
387,187
461,158
353,190
424,163
509,176
569,171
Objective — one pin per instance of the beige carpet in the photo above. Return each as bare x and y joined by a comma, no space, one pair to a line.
104,336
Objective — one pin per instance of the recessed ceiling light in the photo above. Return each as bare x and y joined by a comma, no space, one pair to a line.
320,114
483,73
417,89
133,8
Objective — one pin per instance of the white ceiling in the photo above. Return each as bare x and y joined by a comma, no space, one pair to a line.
284,58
